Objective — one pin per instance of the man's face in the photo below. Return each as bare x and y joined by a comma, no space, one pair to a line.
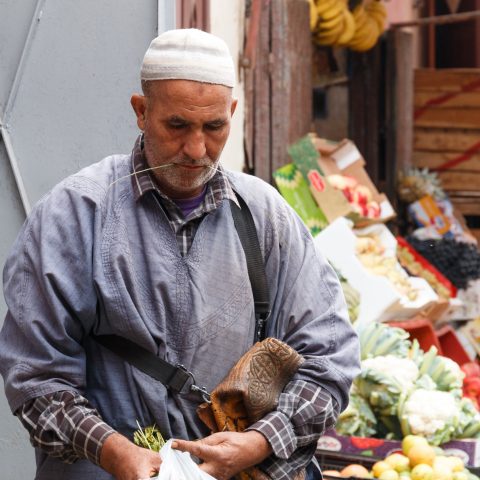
186,125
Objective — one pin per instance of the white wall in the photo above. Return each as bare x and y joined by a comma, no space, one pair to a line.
227,21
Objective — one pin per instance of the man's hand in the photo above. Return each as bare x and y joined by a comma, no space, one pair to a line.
126,461
225,454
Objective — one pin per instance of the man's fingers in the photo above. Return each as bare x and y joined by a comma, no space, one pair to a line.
208,468
179,445
216,438
198,449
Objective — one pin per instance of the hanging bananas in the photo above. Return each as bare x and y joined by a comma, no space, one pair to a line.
332,23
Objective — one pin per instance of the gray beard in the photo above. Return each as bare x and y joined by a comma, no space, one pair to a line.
170,176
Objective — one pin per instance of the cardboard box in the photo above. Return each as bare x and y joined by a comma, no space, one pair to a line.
427,213
346,159
468,450
471,331
294,189
455,311
323,145
332,202
436,311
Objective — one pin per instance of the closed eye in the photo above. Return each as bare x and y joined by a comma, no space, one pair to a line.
177,126
177,123
215,125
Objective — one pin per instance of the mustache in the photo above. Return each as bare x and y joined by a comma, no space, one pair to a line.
187,161
166,165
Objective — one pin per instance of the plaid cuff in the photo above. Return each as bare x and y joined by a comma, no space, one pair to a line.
278,430
65,426
287,469
304,412
89,437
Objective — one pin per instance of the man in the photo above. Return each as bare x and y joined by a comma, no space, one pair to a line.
144,246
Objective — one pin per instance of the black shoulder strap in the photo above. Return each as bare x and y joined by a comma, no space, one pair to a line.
176,377
247,232
172,376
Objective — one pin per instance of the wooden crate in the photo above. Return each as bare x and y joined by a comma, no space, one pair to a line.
468,205
447,133
447,126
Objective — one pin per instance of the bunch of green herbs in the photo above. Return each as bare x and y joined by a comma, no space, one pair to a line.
148,437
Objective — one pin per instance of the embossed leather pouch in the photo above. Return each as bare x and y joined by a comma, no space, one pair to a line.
250,391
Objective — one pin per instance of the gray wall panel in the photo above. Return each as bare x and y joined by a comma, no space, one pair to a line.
73,106
11,210
72,109
15,17
16,455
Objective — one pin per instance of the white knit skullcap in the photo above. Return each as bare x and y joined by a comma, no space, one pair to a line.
189,54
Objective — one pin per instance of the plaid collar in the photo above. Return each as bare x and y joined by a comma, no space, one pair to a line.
219,187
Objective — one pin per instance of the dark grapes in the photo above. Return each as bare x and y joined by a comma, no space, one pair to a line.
458,261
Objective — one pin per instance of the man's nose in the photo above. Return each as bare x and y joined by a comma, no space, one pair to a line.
194,146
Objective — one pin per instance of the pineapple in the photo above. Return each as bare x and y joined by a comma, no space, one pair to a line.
415,183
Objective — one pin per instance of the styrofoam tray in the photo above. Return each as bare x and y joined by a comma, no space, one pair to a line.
380,300
337,244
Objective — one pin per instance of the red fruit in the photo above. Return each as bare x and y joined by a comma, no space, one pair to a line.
471,369
358,196
471,386
363,442
373,209
348,193
364,192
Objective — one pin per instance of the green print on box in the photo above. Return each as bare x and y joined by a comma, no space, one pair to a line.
294,189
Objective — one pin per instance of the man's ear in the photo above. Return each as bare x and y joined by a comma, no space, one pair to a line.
233,106
139,105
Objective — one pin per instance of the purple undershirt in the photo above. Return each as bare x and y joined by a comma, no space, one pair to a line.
187,205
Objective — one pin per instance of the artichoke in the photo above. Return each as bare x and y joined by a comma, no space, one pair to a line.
379,339
357,419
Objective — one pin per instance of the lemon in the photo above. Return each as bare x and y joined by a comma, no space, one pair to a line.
411,440
380,467
442,464
389,475
440,474
422,471
398,462
456,463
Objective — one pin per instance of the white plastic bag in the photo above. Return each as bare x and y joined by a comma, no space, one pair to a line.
178,465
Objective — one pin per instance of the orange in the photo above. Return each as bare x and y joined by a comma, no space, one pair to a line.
355,470
421,453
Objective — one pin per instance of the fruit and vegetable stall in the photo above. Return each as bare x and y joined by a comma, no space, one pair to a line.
409,267
413,297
